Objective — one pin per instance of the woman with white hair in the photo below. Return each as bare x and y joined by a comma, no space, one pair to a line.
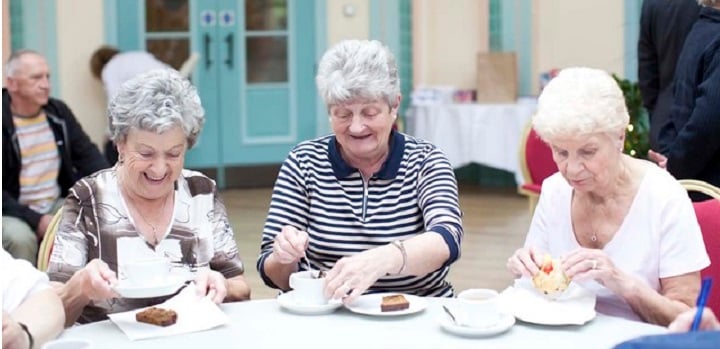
375,208
147,207
624,228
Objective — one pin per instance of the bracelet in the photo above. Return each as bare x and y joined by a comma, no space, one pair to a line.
30,337
399,244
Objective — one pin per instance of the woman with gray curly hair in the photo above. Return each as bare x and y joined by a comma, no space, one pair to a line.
146,209
622,227
376,208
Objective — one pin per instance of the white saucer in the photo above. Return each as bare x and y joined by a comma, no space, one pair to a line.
287,301
369,304
129,290
506,322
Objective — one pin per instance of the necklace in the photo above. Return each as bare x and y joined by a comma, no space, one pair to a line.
152,226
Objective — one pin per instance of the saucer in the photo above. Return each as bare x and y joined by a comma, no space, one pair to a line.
127,289
505,323
287,301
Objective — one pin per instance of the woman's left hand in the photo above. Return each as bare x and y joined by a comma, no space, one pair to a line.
591,264
212,284
352,276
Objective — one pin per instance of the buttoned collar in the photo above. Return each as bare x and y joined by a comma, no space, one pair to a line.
389,168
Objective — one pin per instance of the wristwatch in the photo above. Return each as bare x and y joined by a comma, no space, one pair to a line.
30,337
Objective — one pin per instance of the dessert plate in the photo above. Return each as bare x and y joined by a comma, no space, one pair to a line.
575,306
369,304
505,323
287,301
127,289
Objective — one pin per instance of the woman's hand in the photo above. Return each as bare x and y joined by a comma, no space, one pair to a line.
290,245
352,276
212,284
684,321
524,262
97,280
13,336
592,264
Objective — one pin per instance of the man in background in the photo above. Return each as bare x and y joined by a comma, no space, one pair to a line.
45,150
664,24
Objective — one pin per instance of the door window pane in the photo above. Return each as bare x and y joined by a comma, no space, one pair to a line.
167,15
265,15
171,51
267,59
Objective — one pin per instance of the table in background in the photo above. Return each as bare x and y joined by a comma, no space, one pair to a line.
487,134
263,324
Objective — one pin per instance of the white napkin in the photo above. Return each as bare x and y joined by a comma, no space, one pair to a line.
575,306
194,314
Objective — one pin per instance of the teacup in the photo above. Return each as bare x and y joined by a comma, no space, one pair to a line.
479,307
68,343
147,272
308,288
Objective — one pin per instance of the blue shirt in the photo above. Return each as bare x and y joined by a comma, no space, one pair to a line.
414,192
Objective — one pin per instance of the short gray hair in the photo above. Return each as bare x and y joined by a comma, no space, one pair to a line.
580,101
708,3
156,101
14,60
358,70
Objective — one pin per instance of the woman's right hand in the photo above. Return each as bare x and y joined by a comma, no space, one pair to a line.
524,262
97,280
290,245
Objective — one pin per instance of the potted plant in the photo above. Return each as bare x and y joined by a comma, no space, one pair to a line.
637,141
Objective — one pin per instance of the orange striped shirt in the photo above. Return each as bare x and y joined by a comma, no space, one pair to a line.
40,163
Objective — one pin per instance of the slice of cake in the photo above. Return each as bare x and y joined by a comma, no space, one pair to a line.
157,316
394,303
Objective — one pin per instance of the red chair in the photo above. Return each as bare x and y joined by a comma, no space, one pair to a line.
536,163
708,216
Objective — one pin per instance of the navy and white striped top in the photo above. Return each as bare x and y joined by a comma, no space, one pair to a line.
415,191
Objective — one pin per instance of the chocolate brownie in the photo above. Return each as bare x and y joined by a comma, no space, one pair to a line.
157,316
394,303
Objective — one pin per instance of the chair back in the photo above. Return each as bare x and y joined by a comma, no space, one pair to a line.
536,159
708,216
46,246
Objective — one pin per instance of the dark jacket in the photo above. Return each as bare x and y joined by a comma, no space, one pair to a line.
691,138
79,157
664,24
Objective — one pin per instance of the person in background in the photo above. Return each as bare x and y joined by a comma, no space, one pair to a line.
45,150
32,313
376,208
113,68
689,142
664,24
637,247
146,207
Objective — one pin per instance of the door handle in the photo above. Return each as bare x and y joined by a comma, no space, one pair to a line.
230,41
206,43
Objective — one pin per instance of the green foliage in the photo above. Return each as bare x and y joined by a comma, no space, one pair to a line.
637,137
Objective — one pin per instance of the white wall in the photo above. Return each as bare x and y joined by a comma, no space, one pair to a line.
79,32
447,35
579,33
341,26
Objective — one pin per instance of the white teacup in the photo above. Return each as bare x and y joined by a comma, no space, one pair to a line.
479,307
308,288
147,272
68,343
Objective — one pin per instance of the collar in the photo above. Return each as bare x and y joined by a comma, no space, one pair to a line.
389,168
710,13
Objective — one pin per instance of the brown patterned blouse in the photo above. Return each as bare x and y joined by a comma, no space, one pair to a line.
95,224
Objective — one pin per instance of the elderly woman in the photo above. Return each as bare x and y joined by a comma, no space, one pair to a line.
625,229
146,207
376,208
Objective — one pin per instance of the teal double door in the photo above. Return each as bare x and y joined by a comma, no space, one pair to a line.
255,72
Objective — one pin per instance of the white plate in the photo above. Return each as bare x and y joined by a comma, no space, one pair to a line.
129,290
369,304
287,301
506,322
575,306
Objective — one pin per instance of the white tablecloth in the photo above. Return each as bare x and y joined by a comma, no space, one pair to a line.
487,134
263,324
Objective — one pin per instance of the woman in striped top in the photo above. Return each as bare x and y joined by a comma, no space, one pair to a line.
375,208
